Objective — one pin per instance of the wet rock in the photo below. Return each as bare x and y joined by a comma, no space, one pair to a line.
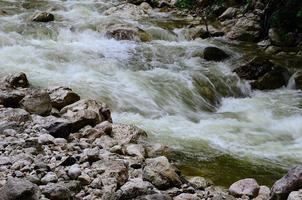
254,69
292,181
38,102
128,11
17,80
19,189
214,54
160,173
56,191
62,96
127,32
296,195
43,17
272,80
126,134
186,196
11,98
134,188
298,80
245,187
74,171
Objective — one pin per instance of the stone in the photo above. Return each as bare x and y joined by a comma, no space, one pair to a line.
45,139
43,17
134,188
74,171
126,134
287,39
91,155
128,11
264,193
56,191
14,115
84,179
292,181
229,13
298,80
186,196
50,177
214,54
62,96
199,183
11,98
296,195
154,197
17,80
160,173
127,32
15,189
69,161
37,102
245,187
136,150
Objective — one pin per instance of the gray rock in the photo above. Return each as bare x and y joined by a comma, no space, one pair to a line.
134,188
264,193
296,195
56,191
38,102
45,139
74,171
229,13
186,196
292,181
50,177
14,115
62,96
136,150
199,183
16,189
160,173
11,98
245,187
125,134
17,80
154,197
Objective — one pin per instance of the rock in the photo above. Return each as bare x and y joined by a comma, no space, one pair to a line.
254,69
45,139
56,191
84,179
105,127
134,188
17,189
17,80
245,29
199,183
91,155
38,102
287,39
186,196
14,115
264,193
69,161
62,96
4,160
292,181
296,195
272,80
85,112
74,171
127,32
160,173
229,13
136,150
135,2
128,11
125,134
43,17
214,54
50,177
155,197
245,187
11,98
298,80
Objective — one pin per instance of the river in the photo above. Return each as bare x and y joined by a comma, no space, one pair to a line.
216,126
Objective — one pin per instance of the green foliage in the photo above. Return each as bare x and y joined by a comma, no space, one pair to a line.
185,4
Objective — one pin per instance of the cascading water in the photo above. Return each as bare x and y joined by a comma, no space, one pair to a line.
198,108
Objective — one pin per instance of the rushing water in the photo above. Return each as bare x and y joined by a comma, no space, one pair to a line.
217,127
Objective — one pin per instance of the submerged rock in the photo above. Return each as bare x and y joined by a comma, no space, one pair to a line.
245,187
214,54
19,189
43,17
292,181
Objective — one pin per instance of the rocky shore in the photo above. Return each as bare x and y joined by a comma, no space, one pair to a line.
57,146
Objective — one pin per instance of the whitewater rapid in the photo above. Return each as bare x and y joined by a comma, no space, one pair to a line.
163,86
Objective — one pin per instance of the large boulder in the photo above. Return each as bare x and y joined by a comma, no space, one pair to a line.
161,173
125,134
19,189
292,181
37,102
43,17
245,29
85,112
245,187
62,96
127,32
214,54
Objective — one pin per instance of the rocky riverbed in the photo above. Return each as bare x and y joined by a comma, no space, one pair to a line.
57,146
